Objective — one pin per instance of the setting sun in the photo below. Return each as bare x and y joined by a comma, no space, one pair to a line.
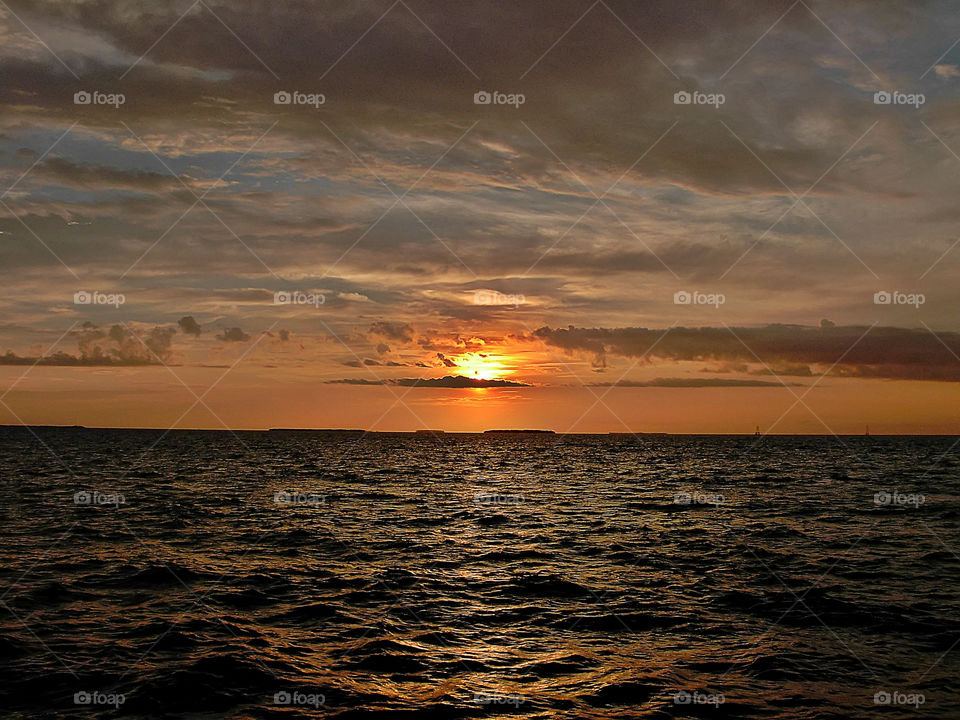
483,366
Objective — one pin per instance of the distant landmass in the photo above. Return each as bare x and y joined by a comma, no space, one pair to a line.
515,432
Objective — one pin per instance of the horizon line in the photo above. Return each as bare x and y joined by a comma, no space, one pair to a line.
491,431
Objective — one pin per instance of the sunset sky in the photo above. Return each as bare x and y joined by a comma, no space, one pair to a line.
542,247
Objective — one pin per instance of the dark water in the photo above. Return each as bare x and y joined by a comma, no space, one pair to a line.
573,586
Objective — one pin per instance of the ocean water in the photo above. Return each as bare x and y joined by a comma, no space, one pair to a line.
293,574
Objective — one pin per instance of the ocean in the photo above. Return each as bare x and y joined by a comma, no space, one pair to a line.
197,574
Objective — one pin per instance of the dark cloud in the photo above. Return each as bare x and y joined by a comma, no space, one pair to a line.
397,332
450,381
98,177
851,351
233,334
114,346
689,383
445,360
188,325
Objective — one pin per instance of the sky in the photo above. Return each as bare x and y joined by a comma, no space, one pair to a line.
580,216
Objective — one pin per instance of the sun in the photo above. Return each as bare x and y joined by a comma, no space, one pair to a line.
483,366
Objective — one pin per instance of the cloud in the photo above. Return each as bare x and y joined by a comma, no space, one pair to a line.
699,197
844,351
98,177
188,325
947,72
233,334
450,381
690,383
397,332
115,346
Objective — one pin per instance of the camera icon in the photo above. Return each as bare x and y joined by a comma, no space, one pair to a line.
682,697
82,97
882,97
282,498
682,498
82,297
882,298
282,698
682,98
482,98
82,698
882,498
882,698
282,297
682,297
282,98
82,498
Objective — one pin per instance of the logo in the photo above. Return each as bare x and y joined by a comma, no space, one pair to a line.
492,297
314,700
698,498
82,97
86,497
99,698
482,97
682,297
498,499
82,297
698,98
299,98
884,697
497,698
296,297
297,498
896,297
684,697
899,498
882,97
